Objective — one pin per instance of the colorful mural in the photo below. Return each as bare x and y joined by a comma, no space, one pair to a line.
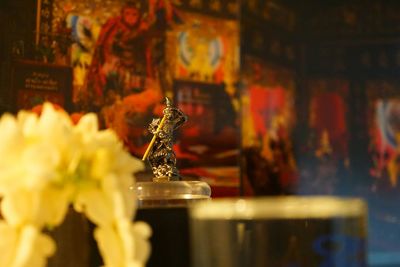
209,142
326,159
206,49
204,60
384,111
128,55
387,140
115,54
267,122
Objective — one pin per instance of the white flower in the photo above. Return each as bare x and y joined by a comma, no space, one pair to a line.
124,244
48,164
46,207
96,205
141,233
8,241
24,247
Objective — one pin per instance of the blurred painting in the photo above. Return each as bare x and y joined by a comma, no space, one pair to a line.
383,100
202,56
204,49
386,142
384,129
326,161
128,55
267,122
208,146
117,51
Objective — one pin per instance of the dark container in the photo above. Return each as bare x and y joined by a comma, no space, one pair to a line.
164,206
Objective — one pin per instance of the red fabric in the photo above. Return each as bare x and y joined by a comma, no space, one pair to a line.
264,104
328,113
224,191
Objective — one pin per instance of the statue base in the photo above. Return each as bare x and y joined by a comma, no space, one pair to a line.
171,193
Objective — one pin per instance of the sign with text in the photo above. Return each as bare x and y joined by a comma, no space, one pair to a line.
34,83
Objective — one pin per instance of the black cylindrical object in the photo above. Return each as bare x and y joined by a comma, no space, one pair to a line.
164,206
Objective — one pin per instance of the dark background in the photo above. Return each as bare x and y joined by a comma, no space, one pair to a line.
353,41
